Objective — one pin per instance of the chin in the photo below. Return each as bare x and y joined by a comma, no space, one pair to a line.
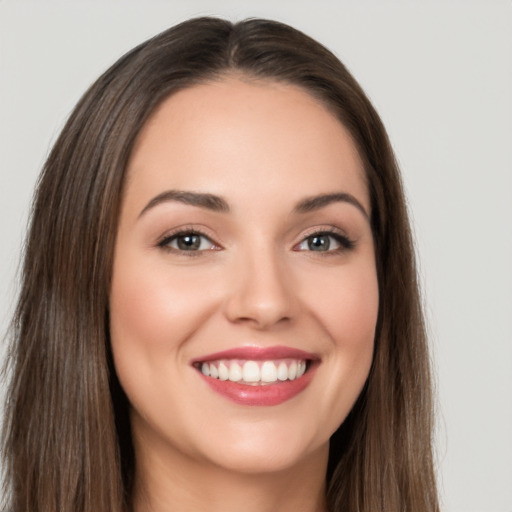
250,463
267,451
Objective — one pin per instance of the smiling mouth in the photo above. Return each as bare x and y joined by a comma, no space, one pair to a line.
254,373
258,376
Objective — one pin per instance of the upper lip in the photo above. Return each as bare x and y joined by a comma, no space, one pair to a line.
253,353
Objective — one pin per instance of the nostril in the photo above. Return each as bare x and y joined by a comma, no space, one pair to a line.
260,294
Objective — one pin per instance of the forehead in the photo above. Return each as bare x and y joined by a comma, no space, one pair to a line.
245,136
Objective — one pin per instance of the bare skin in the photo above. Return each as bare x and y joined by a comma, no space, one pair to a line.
300,489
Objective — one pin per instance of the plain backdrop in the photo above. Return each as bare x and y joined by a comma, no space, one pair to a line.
440,75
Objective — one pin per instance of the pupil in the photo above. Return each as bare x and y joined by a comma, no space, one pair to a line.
319,243
189,242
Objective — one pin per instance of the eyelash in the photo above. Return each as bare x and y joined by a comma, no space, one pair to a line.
168,238
346,244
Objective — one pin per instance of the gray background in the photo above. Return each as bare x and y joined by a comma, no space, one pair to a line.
440,74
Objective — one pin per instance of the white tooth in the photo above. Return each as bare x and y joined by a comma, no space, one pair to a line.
282,371
235,372
213,371
292,371
301,368
268,372
205,369
251,371
223,372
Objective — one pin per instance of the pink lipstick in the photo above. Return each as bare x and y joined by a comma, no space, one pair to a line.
256,375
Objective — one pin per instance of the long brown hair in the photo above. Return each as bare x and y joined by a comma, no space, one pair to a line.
66,439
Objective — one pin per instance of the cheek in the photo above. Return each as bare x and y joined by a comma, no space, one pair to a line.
351,315
347,310
153,311
346,304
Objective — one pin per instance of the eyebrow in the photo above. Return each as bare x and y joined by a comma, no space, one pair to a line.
316,202
202,200
218,204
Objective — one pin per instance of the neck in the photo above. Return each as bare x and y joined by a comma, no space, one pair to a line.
165,480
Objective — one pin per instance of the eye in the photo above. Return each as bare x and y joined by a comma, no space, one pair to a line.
191,241
325,242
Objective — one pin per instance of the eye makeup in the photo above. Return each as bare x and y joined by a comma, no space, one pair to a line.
188,241
325,241
191,241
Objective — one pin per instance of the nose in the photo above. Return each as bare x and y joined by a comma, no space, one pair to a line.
262,293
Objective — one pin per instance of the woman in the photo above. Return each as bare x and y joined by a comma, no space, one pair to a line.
219,305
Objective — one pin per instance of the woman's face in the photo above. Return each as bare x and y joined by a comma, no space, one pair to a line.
244,296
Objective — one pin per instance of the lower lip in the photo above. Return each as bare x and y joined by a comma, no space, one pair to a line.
262,395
